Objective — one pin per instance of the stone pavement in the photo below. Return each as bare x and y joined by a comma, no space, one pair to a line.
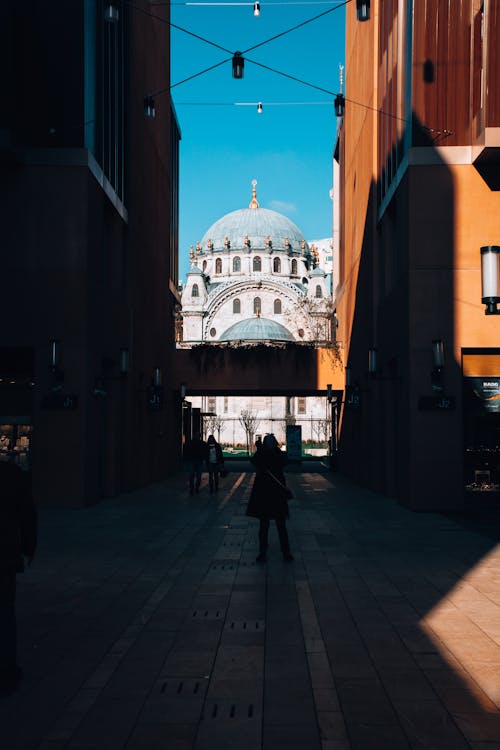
146,624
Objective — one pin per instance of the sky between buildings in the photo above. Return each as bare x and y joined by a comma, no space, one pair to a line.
226,143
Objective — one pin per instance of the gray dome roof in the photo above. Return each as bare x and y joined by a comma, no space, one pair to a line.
257,329
258,224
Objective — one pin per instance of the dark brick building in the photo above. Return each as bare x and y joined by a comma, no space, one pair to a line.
88,196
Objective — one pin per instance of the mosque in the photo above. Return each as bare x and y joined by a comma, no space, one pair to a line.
255,280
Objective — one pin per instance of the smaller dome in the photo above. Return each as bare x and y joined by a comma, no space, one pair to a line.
195,271
257,329
317,272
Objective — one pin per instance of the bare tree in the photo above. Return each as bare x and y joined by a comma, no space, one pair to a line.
210,424
218,425
250,424
321,430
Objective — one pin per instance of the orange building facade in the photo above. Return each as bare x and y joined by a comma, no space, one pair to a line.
419,165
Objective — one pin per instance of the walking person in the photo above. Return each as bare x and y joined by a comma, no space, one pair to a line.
269,496
18,534
215,461
196,455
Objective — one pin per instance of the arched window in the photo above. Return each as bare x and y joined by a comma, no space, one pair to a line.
257,263
294,266
195,292
318,292
236,306
277,307
237,264
256,305
218,265
204,267
276,265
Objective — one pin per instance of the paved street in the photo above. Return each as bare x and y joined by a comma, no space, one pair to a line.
146,624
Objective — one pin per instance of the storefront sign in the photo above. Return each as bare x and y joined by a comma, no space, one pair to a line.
436,403
65,401
483,395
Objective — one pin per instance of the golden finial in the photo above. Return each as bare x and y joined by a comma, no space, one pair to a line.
254,202
227,244
287,243
303,245
246,241
268,241
191,252
198,247
210,245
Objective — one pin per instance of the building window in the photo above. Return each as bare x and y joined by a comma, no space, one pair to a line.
226,404
277,307
218,265
301,405
288,406
276,265
318,292
257,305
237,264
294,266
204,266
236,306
213,332
195,292
211,404
257,264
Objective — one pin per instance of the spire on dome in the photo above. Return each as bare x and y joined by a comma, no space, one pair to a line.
254,202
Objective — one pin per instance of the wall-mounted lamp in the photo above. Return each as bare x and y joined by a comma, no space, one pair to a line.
256,9
111,13
157,376
490,267
329,392
348,375
259,108
183,391
238,65
362,10
55,355
149,107
438,365
372,361
124,361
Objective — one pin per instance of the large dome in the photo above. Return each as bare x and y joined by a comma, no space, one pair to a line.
265,230
257,329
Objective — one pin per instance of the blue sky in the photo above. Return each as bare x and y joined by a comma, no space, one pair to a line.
288,148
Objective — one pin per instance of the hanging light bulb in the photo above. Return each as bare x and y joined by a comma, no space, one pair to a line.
238,65
363,10
111,13
259,108
256,9
339,105
149,107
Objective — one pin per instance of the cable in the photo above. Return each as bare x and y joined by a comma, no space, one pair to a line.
293,78
298,26
190,78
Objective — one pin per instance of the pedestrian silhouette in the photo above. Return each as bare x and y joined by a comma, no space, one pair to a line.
196,454
269,496
18,535
215,462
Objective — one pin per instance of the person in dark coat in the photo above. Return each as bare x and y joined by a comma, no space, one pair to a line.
269,496
215,462
18,536
196,455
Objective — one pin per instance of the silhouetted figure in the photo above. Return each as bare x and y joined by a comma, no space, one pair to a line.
215,462
269,496
196,455
18,534
258,444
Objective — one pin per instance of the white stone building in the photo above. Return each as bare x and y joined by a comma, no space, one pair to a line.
255,279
